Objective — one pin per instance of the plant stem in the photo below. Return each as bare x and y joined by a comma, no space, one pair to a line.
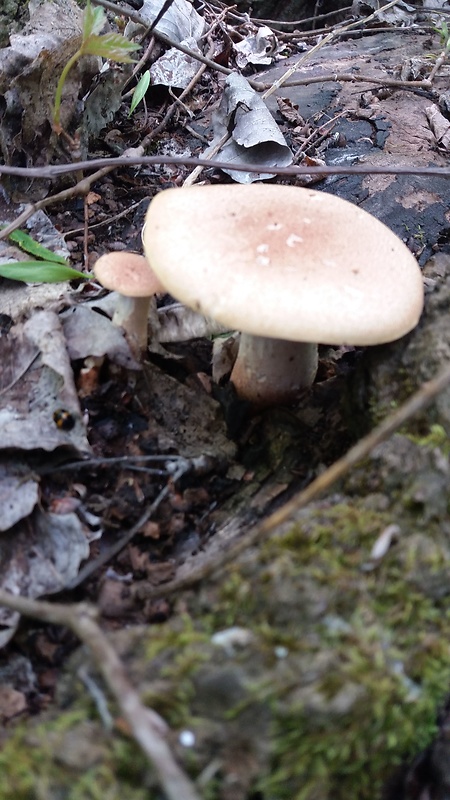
59,89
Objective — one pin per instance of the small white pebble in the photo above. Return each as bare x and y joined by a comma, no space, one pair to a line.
187,738
281,652
231,638
384,541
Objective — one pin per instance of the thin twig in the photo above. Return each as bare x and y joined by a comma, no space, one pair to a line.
441,59
278,23
20,375
137,68
56,170
349,77
179,100
107,164
171,110
122,461
147,727
133,15
81,188
107,221
209,153
109,553
326,40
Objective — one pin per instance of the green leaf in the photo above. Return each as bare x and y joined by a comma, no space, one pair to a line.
110,45
40,272
140,91
29,245
93,20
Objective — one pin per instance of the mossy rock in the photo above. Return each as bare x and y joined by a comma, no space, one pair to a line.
71,757
306,671
12,14
389,375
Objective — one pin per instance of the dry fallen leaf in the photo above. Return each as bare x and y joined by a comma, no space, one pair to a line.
35,382
439,125
254,134
40,556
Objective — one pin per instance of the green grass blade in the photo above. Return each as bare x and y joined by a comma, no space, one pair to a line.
40,272
140,91
29,245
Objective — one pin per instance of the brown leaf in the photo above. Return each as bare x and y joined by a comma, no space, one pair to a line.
289,111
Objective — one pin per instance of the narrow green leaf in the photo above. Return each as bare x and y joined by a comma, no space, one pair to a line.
29,245
40,272
110,45
140,91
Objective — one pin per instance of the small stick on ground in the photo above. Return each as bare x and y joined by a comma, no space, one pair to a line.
147,727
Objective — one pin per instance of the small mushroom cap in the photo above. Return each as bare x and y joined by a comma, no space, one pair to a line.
284,262
128,274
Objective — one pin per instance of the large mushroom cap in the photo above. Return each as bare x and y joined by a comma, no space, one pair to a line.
284,262
127,273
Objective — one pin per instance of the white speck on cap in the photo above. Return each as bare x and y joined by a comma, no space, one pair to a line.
293,239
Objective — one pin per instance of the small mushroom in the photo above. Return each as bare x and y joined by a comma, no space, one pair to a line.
287,266
131,277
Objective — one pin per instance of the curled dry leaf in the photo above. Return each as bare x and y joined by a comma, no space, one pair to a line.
439,125
257,48
179,22
254,134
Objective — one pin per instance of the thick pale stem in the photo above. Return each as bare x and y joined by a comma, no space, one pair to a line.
273,371
132,314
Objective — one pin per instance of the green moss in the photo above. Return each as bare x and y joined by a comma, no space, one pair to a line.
385,639
367,656
346,667
35,764
176,651
7,26
353,754
392,644
436,436
181,634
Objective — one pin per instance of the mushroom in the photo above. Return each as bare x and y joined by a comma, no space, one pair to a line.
287,266
131,277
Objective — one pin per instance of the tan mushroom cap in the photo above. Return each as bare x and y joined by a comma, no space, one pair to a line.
284,262
128,274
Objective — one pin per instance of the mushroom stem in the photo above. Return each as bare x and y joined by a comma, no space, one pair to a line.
272,371
132,314
135,283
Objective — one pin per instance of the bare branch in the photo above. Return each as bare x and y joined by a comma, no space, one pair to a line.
56,170
147,727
